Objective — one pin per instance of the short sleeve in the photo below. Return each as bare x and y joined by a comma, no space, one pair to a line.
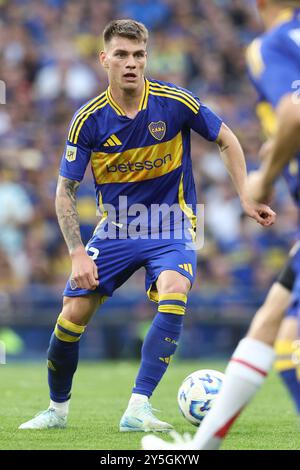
78,148
206,123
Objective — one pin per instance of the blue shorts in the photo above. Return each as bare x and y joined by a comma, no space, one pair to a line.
118,259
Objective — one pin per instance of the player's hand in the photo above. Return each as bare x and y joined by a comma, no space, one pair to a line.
262,213
84,270
257,188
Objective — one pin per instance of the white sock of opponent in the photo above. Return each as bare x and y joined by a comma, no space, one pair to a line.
246,372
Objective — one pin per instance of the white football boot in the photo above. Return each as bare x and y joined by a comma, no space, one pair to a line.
184,442
47,419
139,417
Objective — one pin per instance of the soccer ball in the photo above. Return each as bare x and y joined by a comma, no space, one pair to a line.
197,393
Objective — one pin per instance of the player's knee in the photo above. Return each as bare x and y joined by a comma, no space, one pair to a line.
78,310
265,325
171,282
175,286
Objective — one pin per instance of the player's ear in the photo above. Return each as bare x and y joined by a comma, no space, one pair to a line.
103,59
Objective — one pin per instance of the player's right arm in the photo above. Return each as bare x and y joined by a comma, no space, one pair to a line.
273,67
84,270
73,165
282,149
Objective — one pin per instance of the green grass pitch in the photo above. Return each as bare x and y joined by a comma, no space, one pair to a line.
100,395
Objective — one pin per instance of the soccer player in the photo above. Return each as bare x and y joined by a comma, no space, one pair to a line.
274,65
136,134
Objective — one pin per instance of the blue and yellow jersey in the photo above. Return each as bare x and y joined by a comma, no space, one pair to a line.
274,67
147,159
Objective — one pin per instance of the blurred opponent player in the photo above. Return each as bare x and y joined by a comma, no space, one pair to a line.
274,66
136,135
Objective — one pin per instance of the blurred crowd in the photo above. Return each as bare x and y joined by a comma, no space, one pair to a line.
49,65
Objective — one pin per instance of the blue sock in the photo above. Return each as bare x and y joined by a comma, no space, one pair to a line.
160,343
293,385
63,358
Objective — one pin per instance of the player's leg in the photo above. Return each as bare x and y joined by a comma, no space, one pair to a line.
286,346
169,287
246,371
158,348
162,338
63,359
63,349
249,365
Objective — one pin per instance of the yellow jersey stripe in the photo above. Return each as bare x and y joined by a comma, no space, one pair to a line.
85,108
104,103
88,107
190,269
187,96
171,158
254,58
175,97
113,104
115,139
173,296
82,116
267,117
111,142
184,207
144,100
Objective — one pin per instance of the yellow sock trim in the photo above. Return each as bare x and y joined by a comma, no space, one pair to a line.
173,296
176,309
284,350
283,347
65,337
71,327
68,325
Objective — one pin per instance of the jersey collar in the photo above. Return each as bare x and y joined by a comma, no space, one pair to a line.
143,102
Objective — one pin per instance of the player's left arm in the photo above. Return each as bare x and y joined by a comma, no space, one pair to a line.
233,157
206,123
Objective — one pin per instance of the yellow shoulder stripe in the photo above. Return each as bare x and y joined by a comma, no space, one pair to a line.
103,103
176,91
115,139
82,111
175,97
78,123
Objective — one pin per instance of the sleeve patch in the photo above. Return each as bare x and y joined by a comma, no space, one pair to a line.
71,152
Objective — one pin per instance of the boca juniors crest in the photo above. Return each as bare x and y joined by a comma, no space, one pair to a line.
158,129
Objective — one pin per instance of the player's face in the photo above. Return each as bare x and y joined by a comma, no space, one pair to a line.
125,62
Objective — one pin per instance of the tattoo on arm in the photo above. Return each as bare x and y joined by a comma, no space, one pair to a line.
66,212
222,149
